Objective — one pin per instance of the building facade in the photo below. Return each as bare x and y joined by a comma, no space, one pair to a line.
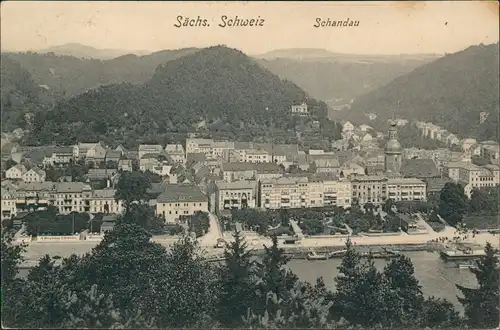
179,201
235,195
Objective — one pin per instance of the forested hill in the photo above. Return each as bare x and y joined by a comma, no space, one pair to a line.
216,91
20,95
67,76
451,91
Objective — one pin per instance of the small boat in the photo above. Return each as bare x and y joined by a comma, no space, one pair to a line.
389,251
337,254
387,255
312,255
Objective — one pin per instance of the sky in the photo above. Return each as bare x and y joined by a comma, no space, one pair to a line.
384,27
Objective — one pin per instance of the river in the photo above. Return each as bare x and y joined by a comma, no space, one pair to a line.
437,278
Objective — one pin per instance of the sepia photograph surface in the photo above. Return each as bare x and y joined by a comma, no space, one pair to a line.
250,165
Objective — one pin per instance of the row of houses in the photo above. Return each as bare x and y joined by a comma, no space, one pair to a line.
293,191
66,197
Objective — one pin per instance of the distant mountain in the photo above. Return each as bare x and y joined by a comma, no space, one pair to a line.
83,51
318,53
451,91
219,92
342,78
67,76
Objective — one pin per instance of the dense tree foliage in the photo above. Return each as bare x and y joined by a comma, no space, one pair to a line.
484,201
20,95
472,80
71,75
127,281
392,298
199,223
453,203
482,304
49,222
132,187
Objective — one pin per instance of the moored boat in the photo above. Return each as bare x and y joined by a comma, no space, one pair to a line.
312,255
465,254
337,254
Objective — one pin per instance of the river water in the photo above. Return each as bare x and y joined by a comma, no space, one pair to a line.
437,278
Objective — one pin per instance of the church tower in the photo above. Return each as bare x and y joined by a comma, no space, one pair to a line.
393,151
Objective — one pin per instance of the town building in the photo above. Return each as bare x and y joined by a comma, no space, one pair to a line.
9,208
222,149
16,172
154,149
284,192
300,109
125,165
72,197
178,201
195,145
369,188
176,152
235,195
103,201
337,192
473,176
406,189
59,156
34,175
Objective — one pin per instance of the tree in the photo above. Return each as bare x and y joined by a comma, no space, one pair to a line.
199,223
10,285
482,304
358,296
300,308
93,309
484,200
403,296
132,187
189,288
437,312
237,282
275,278
144,216
452,203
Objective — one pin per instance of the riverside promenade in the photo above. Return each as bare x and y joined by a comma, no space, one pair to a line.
35,249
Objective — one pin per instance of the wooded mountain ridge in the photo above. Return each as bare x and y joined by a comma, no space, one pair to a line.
216,91
324,77
451,92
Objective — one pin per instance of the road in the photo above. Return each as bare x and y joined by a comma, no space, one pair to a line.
213,234
36,250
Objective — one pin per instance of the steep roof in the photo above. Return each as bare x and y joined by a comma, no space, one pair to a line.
181,193
419,168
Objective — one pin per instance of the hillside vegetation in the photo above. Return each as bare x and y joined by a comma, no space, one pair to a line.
19,95
217,91
72,69
451,91
68,76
